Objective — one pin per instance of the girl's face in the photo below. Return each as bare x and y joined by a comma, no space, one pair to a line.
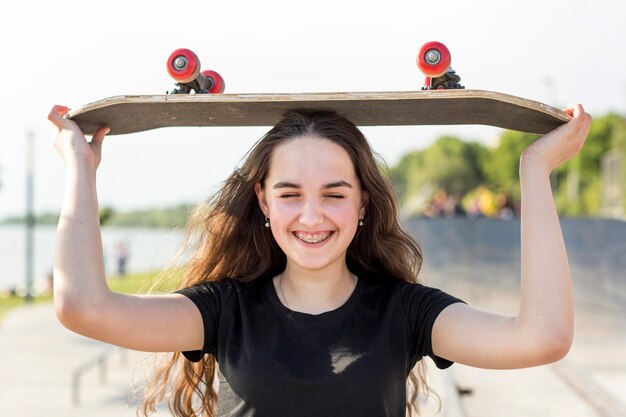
314,200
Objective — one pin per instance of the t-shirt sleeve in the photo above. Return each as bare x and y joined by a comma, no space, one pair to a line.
422,306
207,298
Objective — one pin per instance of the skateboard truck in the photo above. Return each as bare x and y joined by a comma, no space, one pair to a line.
434,60
184,66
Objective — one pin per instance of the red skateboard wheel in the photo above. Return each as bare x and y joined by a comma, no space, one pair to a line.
434,59
218,84
183,65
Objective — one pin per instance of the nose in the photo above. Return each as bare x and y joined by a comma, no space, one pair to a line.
311,214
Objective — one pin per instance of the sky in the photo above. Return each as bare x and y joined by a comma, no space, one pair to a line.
76,52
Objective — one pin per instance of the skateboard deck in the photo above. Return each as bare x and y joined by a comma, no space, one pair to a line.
129,114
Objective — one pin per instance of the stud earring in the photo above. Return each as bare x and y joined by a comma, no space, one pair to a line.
361,222
267,222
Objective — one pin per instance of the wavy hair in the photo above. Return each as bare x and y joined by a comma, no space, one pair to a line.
229,239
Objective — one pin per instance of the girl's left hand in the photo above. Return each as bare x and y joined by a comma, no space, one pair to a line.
563,143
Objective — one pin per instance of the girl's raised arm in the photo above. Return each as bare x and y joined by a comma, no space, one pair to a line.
83,301
543,330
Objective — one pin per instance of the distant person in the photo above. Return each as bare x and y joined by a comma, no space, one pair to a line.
437,205
122,258
474,209
486,202
506,209
456,205
305,287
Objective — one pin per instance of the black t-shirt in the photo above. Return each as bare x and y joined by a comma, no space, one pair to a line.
352,361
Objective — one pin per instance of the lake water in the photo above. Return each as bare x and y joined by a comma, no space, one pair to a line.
148,250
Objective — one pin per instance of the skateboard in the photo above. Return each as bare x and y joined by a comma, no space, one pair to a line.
442,100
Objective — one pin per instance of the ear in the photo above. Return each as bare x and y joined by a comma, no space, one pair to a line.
365,201
260,195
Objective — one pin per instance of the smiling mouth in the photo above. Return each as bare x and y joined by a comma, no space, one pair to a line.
312,238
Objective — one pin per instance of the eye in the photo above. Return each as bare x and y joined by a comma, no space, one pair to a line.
289,195
338,196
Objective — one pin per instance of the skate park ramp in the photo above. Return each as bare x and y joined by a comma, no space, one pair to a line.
479,261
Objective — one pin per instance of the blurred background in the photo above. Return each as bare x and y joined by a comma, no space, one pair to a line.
458,185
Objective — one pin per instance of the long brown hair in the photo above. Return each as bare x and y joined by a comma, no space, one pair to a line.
230,240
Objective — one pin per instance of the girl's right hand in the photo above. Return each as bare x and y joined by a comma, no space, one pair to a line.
70,142
562,144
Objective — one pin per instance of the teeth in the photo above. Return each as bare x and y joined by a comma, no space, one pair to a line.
312,238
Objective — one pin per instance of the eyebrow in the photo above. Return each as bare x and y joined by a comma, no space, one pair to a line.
287,184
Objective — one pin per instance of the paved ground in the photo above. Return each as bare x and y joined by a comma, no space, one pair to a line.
36,365
589,382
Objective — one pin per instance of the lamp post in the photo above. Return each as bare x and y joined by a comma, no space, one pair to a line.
624,160
30,217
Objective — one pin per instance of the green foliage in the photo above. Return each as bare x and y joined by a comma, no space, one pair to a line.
607,134
148,282
501,167
9,302
172,217
141,283
449,164
105,215
455,166
46,218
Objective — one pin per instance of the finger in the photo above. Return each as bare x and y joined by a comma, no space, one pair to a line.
574,110
579,115
570,109
56,115
578,110
580,122
98,137
60,109
586,124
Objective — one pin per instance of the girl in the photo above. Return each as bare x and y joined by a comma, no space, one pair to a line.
303,286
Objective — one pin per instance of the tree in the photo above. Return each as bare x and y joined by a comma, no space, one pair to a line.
106,213
606,134
449,164
460,167
501,166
